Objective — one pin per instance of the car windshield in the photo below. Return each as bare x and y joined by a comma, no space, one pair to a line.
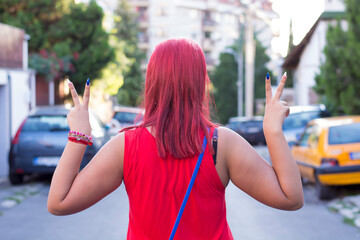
343,134
299,120
46,124
125,117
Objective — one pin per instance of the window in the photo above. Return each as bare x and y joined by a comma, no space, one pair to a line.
46,124
299,120
343,134
304,142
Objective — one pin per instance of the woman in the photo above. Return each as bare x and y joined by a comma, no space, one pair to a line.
156,159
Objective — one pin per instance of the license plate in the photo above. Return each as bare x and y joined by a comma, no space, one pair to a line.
46,161
355,155
252,130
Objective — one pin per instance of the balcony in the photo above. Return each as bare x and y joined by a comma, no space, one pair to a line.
210,63
208,44
143,22
143,39
143,17
143,65
209,24
139,3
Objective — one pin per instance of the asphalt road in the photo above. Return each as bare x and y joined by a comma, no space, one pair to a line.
108,219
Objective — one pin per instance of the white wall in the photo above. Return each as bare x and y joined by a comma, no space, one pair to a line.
310,62
20,105
4,128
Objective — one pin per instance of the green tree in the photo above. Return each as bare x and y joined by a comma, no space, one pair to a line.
225,77
261,59
225,90
290,75
338,81
67,38
126,30
80,34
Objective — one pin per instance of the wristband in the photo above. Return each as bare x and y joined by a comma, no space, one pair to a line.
78,137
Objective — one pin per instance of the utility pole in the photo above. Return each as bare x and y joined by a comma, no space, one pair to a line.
249,64
240,62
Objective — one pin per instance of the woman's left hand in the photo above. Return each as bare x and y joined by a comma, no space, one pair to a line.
78,116
275,110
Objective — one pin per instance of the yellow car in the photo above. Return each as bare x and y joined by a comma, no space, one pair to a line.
328,153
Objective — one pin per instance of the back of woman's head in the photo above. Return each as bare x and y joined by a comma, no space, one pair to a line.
176,97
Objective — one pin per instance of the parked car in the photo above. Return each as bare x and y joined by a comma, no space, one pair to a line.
124,117
328,153
299,116
40,141
250,128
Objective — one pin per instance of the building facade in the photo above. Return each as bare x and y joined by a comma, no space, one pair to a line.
306,58
213,24
17,87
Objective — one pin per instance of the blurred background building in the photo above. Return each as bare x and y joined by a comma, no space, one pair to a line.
305,58
17,86
213,24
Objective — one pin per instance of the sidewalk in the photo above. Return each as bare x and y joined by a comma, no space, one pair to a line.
349,208
10,195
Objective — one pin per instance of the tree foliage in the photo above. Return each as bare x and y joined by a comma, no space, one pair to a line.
126,30
225,77
261,60
338,81
66,31
290,75
225,90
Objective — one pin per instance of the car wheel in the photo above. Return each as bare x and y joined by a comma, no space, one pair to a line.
323,192
16,178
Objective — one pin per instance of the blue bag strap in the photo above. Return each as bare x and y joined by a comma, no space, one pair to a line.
188,189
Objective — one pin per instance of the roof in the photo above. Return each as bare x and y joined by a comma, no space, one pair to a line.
245,119
293,58
307,108
49,110
335,121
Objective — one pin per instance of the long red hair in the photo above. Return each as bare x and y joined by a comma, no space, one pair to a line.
176,98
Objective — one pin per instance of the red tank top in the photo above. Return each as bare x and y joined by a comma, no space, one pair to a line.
156,188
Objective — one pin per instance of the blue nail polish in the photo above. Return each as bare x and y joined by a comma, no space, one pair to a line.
267,76
88,82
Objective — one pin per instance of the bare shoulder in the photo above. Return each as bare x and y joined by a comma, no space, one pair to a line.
117,143
228,139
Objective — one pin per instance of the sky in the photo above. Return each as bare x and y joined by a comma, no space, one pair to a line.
303,13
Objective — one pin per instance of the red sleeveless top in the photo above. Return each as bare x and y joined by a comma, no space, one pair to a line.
156,188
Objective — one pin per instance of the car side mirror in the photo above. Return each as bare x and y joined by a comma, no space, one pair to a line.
298,137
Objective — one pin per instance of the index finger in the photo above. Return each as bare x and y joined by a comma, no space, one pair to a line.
281,86
268,91
74,94
86,96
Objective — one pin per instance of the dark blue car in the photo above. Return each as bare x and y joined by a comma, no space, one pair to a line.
40,141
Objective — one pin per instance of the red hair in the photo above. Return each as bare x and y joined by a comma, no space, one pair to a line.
176,98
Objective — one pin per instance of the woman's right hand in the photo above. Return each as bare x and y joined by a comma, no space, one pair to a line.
275,110
78,117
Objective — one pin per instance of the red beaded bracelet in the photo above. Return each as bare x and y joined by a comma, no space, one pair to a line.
78,137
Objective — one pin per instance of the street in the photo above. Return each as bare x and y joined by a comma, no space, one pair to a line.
108,219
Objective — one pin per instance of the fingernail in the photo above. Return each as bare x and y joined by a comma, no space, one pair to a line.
267,76
88,81
285,74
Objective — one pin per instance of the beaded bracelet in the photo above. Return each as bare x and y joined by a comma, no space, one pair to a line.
78,137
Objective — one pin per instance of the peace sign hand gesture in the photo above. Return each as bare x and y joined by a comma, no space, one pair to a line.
78,116
275,110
